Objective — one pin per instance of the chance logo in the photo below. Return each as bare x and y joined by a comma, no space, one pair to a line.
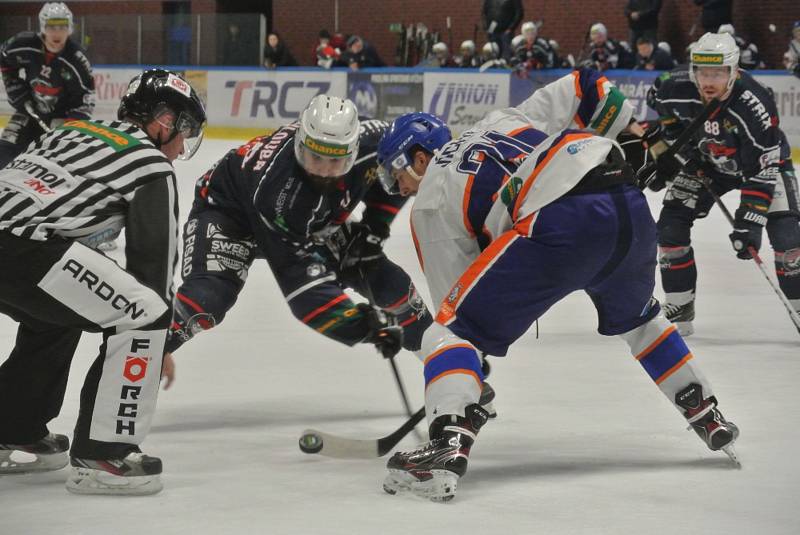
707,59
114,138
326,149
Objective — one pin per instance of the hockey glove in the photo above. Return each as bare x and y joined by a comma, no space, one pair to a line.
363,247
747,227
384,332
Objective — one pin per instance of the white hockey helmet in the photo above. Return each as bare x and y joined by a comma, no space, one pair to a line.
326,143
55,14
468,47
715,50
727,28
491,50
598,28
440,48
529,27
517,41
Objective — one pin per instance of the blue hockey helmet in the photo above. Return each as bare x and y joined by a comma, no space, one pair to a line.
410,130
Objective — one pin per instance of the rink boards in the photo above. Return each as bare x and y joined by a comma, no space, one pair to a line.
248,102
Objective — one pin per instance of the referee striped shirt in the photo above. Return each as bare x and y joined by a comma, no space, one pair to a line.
87,180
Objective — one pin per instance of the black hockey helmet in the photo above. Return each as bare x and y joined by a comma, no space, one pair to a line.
155,91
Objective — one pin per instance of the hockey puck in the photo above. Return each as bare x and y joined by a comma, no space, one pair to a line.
310,443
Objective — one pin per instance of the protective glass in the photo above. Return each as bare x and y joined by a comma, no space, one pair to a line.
712,74
192,134
388,174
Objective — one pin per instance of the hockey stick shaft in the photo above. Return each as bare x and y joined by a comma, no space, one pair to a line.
397,377
647,173
757,258
711,108
352,448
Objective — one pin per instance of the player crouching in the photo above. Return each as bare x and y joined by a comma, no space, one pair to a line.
499,217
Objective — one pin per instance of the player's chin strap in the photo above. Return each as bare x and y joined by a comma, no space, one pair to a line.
157,142
413,173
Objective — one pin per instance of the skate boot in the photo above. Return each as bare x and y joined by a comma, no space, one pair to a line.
707,421
135,474
486,399
432,471
50,453
681,315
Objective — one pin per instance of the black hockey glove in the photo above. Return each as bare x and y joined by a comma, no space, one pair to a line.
384,332
363,248
656,175
747,228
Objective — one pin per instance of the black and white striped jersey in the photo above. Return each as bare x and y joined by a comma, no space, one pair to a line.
85,181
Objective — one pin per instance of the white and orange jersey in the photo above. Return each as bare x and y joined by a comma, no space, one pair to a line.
498,174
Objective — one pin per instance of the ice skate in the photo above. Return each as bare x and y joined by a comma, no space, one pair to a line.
433,470
708,422
49,453
681,315
136,474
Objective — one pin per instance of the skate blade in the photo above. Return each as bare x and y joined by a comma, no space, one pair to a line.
41,463
685,328
90,481
440,487
731,453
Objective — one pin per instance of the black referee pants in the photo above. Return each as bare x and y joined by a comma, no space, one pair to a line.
49,288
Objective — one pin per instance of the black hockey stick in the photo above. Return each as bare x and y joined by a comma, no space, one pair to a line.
647,174
398,379
313,441
759,262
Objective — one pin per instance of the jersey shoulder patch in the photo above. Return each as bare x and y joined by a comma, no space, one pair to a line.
114,138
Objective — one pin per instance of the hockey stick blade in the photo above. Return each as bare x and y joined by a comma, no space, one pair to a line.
319,442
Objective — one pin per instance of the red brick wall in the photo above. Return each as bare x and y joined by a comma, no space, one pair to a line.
566,21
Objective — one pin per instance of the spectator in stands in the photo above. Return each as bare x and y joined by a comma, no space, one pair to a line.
606,53
360,54
323,41
749,57
642,18
715,13
500,21
235,49
276,53
651,57
791,59
468,58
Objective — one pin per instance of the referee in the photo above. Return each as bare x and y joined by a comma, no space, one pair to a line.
74,188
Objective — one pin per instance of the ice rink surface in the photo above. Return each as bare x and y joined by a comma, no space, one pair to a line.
584,442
